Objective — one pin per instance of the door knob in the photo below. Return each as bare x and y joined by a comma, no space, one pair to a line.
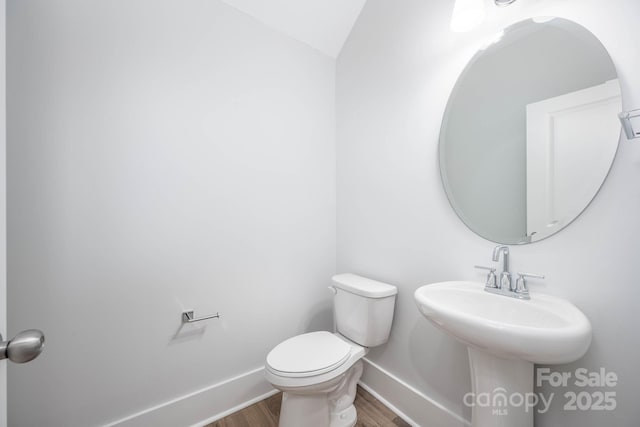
24,347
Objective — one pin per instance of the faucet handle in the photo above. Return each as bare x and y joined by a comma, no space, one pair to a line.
492,282
521,284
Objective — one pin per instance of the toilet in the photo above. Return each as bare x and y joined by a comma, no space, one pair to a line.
318,372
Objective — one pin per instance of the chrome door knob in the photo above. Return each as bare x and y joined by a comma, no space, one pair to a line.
24,347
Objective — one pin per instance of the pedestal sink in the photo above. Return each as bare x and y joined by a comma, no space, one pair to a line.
505,337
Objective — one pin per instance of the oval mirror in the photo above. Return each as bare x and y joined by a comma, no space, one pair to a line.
530,131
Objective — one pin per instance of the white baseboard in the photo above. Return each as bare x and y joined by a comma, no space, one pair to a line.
204,406
212,403
409,403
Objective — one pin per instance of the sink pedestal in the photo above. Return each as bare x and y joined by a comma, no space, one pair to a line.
501,389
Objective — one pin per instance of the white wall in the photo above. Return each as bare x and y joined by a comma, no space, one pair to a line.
395,224
163,155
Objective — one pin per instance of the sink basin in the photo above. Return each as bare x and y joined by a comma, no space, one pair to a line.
544,329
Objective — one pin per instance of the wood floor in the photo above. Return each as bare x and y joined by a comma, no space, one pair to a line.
371,413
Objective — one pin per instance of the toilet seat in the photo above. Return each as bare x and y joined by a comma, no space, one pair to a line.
308,355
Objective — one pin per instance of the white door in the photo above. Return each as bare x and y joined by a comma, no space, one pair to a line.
3,213
28,344
570,149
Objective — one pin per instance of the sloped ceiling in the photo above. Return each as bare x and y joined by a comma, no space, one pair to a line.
322,24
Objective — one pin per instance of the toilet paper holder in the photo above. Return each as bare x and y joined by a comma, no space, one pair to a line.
189,317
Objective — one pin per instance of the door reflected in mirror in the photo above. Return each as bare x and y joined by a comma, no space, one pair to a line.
530,131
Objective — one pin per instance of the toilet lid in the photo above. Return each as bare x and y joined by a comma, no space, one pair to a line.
309,354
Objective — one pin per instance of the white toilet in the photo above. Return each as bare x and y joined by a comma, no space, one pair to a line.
318,372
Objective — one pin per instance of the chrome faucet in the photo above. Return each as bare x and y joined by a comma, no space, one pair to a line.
505,286
505,276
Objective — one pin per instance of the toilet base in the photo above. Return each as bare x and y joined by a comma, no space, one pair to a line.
313,412
298,410
325,405
346,418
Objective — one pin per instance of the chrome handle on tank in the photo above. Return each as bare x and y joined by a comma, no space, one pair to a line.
333,289
189,317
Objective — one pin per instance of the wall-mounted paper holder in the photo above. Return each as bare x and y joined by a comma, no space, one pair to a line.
630,123
189,317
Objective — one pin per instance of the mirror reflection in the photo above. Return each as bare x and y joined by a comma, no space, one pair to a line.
530,131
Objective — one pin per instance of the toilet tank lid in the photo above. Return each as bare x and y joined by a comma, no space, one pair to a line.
362,286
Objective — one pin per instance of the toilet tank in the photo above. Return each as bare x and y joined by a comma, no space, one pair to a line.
363,309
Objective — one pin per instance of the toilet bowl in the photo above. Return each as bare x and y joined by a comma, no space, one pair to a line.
318,372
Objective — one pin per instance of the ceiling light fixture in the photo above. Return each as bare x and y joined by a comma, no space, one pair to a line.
467,14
